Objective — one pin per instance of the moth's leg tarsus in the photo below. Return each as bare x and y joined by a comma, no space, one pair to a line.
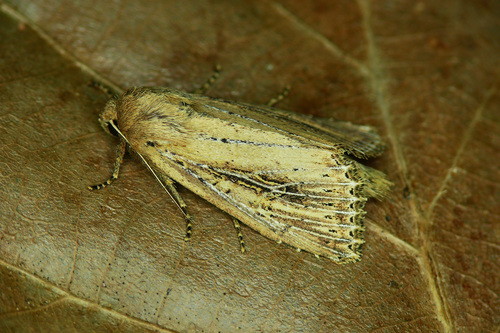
189,228
210,81
120,152
280,97
239,234
169,185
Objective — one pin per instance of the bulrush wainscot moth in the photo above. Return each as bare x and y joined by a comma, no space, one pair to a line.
288,176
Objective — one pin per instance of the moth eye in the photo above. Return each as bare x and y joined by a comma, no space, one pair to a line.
111,129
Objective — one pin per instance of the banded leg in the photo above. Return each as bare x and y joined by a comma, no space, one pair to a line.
210,81
280,97
168,183
240,235
120,152
103,88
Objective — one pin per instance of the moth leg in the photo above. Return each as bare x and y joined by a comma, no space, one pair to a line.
210,81
240,235
169,185
102,87
280,97
120,152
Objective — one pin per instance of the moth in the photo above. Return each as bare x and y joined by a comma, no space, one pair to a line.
290,177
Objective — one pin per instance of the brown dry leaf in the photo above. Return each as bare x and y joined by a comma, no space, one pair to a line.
425,73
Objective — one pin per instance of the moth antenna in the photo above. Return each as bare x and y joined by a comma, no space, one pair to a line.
187,216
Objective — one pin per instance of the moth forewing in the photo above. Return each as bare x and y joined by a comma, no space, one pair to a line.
285,175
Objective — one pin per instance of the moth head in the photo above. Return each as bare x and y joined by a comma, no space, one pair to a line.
108,117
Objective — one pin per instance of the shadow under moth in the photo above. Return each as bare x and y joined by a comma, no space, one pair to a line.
288,176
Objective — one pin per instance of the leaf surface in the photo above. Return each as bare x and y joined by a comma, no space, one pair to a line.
425,74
